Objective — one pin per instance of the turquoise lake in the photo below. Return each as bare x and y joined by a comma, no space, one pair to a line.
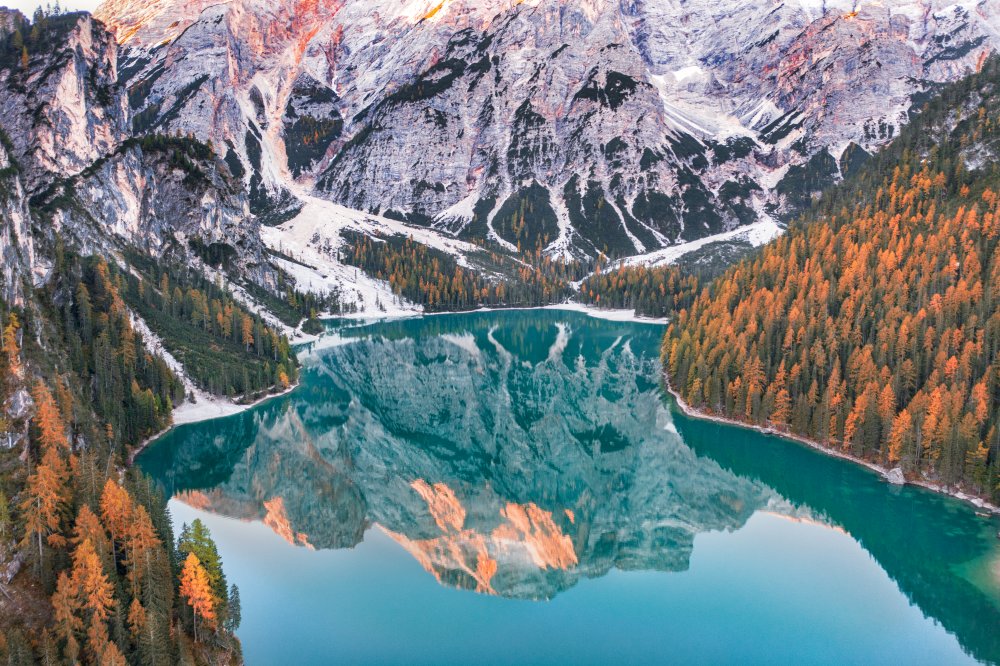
515,487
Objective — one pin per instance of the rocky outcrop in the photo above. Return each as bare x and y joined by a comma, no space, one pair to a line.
17,247
69,165
895,477
161,196
64,111
233,74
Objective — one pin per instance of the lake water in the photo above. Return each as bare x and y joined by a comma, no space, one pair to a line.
514,487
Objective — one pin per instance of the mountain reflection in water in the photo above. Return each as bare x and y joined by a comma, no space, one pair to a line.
509,460
516,455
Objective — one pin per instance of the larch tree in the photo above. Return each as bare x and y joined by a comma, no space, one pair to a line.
45,506
195,587
48,420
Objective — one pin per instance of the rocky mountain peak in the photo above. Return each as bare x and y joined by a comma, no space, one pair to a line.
624,127
61,106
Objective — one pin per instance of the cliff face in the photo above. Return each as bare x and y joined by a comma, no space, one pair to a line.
614,125
17,247
64,111
159,197
71,167
576,126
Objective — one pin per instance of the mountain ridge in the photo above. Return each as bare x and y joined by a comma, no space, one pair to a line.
646,123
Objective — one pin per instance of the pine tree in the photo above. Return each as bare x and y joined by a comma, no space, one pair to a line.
140,541
197,539
6,522
10,348
88,528
48,420
66,608
234,613
116,511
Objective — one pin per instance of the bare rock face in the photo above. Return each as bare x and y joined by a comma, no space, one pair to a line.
895,477
232,74
160,196
19,405
64,112
17,247
67,149
581,126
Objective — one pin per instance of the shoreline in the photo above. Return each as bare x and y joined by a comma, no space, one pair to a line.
691,412
226,409
606,314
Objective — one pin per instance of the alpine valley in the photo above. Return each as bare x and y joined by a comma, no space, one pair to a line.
805,190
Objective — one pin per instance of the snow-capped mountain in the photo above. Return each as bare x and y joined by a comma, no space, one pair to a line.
577,125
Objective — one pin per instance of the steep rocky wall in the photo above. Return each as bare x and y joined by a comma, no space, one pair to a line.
646,122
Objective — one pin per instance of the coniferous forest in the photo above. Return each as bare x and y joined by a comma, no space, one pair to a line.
92,564
873,326
436,281
245,357
651,292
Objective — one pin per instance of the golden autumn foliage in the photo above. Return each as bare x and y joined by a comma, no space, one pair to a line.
48,420
197,590
83,601
436,281
45,505
10,348
876,331
652,292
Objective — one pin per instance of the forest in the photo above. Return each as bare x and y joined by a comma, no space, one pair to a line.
244,358
436,281
873,325
651,292
89,568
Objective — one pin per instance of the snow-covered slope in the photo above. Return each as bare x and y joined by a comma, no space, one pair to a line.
615,125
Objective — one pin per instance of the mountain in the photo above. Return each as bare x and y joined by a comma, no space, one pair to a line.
582,126
80,172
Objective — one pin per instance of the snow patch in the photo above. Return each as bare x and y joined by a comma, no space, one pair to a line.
310,246
757,234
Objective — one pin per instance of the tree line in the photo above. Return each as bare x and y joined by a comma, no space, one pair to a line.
435,280
244,356
651,292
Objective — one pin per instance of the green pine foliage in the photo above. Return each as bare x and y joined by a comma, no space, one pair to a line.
435,280
100,583
196,538
44,34
131,391
226,349
651,292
